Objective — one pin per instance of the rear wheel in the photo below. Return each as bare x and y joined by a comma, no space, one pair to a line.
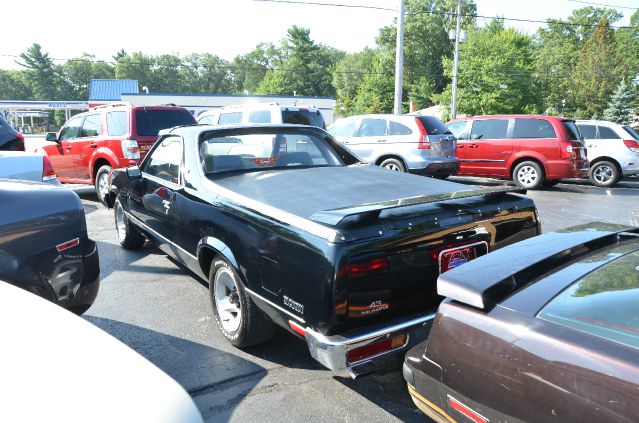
128,234
393,164
102,183
237,316
604,174
528,175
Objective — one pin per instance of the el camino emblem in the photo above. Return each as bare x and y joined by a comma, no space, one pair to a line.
457,259
293,305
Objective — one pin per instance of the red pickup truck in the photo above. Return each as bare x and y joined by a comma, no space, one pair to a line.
92,143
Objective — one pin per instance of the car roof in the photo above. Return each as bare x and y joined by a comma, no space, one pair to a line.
600,123
511,116
254,106
199,128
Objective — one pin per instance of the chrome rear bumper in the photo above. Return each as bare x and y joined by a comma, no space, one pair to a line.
332,350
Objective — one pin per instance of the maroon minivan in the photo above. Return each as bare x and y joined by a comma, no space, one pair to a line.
532,150
92,143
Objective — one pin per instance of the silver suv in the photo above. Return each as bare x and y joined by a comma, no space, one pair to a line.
263,113
613,151
406,143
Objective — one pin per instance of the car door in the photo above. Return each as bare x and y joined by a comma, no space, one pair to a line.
370,140
86,144
62,153
344,131
152,195
488,148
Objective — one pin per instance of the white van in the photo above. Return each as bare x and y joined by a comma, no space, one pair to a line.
263,113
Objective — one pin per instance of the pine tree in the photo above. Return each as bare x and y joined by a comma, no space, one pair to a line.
621,106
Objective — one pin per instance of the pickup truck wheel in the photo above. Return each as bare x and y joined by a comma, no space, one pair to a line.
237,316
102,183
128,234
529,175
604,174
393,164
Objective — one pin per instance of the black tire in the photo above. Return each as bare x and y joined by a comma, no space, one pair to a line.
549,183
529,175
128,235
604,174
254,327
101,186
393,164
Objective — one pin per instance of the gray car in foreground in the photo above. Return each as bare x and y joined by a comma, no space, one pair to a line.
613,151
27,166
44,246
407,143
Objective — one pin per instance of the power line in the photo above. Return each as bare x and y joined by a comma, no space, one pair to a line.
604,5
313,3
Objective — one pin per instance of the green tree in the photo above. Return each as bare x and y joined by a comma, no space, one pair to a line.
496,72
137,66
166,73
305,67
596,71
250,69
622,105
628,47
41,73
77,74
348,76
14,85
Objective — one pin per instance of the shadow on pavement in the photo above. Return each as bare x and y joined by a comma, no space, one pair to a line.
216,380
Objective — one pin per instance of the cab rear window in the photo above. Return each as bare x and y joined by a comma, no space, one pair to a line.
303,117
149,122
603,304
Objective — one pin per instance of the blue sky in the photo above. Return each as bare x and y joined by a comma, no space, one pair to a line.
67,28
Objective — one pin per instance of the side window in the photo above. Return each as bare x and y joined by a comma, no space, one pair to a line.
372,128
233,117
533,128
395,128
205,120
71,129
116,123
165,160
489,129
343,128
459,129
260,116
589,132
606,133
91,126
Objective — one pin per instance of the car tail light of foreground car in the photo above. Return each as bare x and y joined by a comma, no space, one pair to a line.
632,145
48,173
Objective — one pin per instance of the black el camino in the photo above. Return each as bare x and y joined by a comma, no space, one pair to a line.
289,228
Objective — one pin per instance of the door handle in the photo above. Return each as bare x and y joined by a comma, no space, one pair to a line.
460,146
382,140
472,146
69,147
93,145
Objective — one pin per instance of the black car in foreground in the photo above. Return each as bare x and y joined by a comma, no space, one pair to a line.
289,228
44,246
543,330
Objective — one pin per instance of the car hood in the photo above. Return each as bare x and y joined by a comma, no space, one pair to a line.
304,192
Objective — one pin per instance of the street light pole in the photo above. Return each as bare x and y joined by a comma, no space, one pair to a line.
399,59
453,106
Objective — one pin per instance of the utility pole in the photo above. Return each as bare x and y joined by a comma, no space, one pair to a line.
399,59
453,106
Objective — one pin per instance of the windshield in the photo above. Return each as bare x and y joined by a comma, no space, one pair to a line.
632,132
303,117
149,122
573,131
275,149
433,126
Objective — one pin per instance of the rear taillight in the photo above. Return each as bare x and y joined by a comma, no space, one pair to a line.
372,267
632,145
130,149
48,173
567,150
424,142
376,348
20,138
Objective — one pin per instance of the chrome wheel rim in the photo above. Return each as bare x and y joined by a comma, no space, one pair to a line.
227,300
527,175
103,185
603,174
392,166
120,224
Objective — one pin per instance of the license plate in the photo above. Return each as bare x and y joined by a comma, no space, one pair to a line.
454,257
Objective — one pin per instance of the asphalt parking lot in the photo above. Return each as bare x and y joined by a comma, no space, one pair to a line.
163,312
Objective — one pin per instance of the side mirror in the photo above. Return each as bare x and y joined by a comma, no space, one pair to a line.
475,136
133,172
52,136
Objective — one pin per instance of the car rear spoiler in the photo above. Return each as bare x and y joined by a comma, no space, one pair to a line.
483,282
334,217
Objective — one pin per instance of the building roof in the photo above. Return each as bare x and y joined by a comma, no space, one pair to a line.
111,89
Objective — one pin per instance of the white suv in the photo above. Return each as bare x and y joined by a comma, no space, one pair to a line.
263,113
613,151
